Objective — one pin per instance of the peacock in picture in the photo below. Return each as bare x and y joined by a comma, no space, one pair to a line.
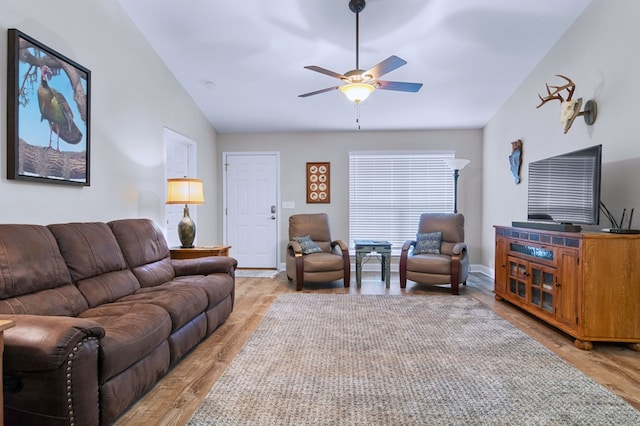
55,109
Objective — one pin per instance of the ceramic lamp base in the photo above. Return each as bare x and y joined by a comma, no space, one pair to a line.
186,230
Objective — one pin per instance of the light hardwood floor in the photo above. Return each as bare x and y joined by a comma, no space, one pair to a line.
173,400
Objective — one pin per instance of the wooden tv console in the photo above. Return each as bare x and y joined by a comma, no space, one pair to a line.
586,284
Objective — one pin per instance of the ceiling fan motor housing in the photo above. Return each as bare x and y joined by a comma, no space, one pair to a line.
357,6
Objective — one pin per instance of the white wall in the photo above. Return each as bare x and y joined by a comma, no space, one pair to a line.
598,54
296,149
133,97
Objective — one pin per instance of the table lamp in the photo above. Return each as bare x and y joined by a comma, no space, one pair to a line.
456,164
185,191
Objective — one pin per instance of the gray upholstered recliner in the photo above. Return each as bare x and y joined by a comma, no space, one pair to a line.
442,260
316,258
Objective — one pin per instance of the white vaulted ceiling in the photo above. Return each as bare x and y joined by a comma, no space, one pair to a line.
242,61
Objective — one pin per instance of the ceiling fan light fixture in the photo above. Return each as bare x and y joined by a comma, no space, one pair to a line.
357,92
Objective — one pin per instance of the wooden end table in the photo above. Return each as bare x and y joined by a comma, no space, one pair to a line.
383,248
196,252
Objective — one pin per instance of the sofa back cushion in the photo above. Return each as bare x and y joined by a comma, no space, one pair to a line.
145,250
33,276
95,261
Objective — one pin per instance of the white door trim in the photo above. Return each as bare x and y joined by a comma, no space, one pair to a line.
171,137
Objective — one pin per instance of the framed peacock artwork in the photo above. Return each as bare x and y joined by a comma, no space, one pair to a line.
48,111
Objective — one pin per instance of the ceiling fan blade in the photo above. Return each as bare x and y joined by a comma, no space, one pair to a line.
317,92
388,65
401,86
324,71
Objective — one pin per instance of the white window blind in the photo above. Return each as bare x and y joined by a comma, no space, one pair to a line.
389,191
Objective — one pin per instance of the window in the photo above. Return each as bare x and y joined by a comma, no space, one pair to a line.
389,191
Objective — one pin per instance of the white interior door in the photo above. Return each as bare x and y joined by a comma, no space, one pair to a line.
251,206
180,161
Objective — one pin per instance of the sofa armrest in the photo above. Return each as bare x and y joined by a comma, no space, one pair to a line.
39,342
205,265
51,370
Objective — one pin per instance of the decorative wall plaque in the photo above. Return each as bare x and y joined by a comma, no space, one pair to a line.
318,188
515,160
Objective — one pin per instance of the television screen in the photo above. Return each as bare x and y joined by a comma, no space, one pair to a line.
566,188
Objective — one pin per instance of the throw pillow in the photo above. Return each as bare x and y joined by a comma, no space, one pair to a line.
307,245
428,243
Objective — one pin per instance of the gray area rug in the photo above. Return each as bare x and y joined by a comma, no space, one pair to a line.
401,360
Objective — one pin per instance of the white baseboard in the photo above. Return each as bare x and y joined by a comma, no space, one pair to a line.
483,269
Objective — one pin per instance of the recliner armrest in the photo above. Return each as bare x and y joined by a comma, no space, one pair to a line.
294,248
341,244
39,342
407,245
459,248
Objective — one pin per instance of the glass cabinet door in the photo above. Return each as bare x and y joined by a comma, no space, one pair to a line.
517,277
542,280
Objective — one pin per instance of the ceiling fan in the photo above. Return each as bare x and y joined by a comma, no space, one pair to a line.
359,83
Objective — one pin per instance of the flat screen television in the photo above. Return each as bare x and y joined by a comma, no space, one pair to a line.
565,189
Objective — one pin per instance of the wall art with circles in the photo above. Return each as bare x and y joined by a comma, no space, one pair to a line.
318,189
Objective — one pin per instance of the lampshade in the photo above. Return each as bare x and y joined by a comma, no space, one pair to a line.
357,92
456,163
185,191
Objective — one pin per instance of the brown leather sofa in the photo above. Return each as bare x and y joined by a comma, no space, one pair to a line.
101,313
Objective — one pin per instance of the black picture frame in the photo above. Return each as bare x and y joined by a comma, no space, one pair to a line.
48,114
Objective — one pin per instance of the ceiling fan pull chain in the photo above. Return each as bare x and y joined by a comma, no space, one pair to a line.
357,115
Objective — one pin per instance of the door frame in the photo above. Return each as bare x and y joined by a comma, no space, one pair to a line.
171,137
278,197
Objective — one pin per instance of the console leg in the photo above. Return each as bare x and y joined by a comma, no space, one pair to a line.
585,345
634,346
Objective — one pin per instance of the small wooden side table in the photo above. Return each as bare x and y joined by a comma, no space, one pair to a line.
3,326
196,252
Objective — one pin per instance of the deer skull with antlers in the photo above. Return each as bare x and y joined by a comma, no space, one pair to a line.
570,107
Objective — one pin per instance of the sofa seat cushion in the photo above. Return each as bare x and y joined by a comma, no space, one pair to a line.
132,331
183,302
429,263
217,287
323,262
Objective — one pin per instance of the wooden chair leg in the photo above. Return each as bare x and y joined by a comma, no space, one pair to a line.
403,270
346,275
455,276
299,272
